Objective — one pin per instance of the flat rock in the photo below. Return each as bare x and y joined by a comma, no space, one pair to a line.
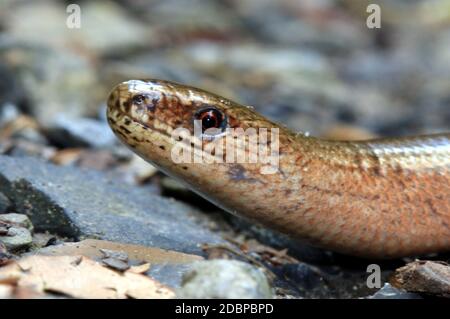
78,203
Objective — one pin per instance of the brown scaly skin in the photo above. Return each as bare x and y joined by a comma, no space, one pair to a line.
382,198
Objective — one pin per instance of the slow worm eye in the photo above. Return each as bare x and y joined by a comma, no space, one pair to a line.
211,118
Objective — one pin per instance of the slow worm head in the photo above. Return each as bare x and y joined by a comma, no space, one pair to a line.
380,198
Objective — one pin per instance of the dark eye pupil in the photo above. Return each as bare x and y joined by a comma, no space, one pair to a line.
209,121
211,118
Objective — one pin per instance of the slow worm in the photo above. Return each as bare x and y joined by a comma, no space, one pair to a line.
381,198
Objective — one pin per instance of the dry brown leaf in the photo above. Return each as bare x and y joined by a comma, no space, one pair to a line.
81,277
139,269
91,248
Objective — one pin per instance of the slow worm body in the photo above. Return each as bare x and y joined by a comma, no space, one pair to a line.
380,198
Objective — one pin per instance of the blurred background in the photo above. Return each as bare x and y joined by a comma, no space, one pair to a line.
313,65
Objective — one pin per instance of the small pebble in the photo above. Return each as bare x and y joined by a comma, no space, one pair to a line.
19,220
225,279
117,260
17,238
120,255
116,264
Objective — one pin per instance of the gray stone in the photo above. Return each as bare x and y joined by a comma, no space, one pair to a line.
115,259
17,237
224,279
78,203
120,255
19,220
116,264
5,203
76,132
169,274
390,292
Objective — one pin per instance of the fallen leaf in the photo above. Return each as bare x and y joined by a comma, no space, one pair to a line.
139,269
80,277
92,248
